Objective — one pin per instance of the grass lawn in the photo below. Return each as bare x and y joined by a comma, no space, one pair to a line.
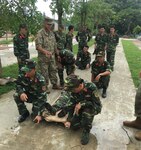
12,71
133,56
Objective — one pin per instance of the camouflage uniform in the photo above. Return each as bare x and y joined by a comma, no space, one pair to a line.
68,62
97,69
83,59
35,91
21,49
69,39
82,37
46,65
111,48
101,41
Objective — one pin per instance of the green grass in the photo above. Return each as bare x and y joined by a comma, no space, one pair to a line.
5,42
12,71
133,56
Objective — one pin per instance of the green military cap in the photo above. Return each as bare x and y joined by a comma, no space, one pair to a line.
29,65
48,20
72,82
100,54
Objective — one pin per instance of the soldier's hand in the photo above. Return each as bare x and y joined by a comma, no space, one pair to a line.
88,66
77,108
97,77
37,119
48,54
23,97
67,124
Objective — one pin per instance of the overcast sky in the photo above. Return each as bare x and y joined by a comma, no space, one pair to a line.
44,7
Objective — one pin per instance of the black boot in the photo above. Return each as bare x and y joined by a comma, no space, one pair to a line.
85,137
104,93
23,117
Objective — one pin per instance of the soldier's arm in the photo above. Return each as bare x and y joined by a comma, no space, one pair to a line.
77,37
15,43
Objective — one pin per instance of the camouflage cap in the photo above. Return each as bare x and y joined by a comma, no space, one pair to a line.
100,54
72,82
48,20
29,65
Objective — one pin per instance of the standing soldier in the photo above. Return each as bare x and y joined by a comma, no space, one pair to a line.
101,73
67,61
100,41
20,42
83,58
112,42
69,38
46,47
61,40
82,38
31,88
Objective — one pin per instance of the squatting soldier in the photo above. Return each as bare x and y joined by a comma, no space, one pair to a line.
31,88
100,70
67,61
61,40
100,40
112,42
20,42
69,38
82,38
46,47
83,58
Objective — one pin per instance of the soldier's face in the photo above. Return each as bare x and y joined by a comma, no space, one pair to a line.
47,26
85,49
23,31
79,88
30,74
101,30
112,30
100,59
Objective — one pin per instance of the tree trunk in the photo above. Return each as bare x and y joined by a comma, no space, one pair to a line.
0,68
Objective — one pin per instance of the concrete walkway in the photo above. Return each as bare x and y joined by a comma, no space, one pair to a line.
107,131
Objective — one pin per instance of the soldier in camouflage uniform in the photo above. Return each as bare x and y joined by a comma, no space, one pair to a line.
83,59
112,42
61,40
46,47
67,61
100,40
101,70
82,38
69,38
31,88
20,42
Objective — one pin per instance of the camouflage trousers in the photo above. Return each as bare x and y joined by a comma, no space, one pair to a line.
31,99
103,82
84,119
21,62
138,102
81,64
111,58
48,70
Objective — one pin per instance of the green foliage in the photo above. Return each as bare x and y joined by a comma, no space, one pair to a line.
133,54
137,30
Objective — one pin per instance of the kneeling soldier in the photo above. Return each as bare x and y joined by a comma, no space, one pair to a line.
101,71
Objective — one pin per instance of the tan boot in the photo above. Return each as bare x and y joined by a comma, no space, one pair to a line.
133,124
138,135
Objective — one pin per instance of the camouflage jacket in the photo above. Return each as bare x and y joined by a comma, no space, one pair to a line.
67,57
96,68
84,57
21,46
101,41
48,42
88,98
82,36
69,39
35,88
60,39
112,42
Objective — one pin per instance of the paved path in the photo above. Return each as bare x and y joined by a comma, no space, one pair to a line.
107,131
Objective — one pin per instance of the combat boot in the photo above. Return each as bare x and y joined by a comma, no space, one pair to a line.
104,93
138,135
85,137
133,124
23,117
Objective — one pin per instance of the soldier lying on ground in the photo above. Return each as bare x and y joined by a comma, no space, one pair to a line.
81,102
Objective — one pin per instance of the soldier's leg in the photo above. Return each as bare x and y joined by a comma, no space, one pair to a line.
76,122
70,69
112,58
105,82
108,57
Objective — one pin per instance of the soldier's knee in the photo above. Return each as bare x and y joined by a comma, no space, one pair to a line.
16,97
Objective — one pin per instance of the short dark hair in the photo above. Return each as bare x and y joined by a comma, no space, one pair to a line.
86,46
23,26
70,27
101,26
112,26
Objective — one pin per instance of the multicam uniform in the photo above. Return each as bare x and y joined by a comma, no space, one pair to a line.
101,41
96,69
35,91
21,49
83,58
69,39
112,42
47,65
